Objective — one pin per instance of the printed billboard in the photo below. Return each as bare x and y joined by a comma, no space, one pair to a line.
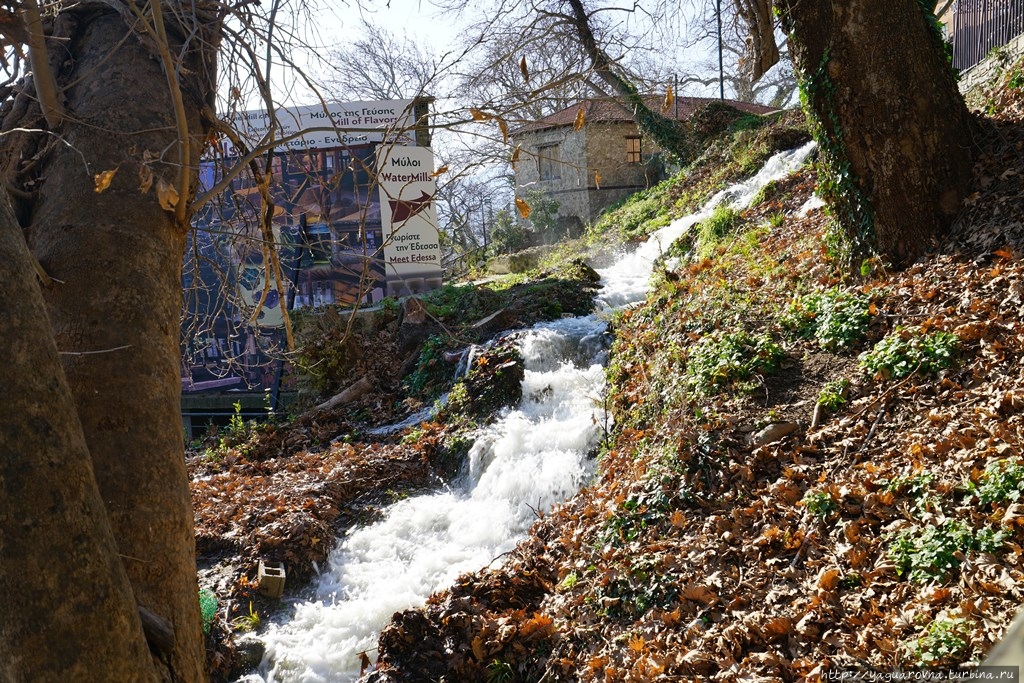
412,250
331,231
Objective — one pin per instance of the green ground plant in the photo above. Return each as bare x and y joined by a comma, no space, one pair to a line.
720,359
723,221
832,396
820,504
835,318
1001,482
904,352
944,642
930,552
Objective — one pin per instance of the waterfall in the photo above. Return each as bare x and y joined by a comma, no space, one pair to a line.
531,458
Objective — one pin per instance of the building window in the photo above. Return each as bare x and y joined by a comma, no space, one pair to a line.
549,162
633,149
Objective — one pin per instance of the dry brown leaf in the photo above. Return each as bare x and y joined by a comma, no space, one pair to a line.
828,578
524,70
145,178
597,179
670,99
166,195
504,129
698,593
478,648
479,115
515,156
439,172
104,179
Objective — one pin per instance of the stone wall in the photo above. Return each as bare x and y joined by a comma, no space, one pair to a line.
570,188
599,147
984,73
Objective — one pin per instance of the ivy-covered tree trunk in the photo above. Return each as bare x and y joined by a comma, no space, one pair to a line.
114,253
895,134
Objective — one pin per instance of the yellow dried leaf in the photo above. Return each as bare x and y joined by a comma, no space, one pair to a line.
104,179
678,519
523,207
479,115
580,120
637,644
523,70
515,155
670,99
504,129
597,179
440,171
872,309
166,195
145,178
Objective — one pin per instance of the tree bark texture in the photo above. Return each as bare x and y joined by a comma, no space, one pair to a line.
895,134
116,258
68,612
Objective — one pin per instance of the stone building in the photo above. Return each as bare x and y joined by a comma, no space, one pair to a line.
607,159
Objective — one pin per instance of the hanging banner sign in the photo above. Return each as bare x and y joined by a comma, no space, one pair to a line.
324,126
412,252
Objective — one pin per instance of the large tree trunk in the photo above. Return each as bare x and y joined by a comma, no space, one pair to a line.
68,612
116,257
894,131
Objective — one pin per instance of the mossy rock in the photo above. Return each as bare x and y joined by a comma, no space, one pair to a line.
494,381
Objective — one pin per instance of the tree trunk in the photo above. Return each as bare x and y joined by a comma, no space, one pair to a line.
115,313
667,132
895,134
68,609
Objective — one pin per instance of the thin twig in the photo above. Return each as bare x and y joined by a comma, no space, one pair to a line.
93,353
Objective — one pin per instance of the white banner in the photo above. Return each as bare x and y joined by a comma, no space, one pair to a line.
336,125
412,252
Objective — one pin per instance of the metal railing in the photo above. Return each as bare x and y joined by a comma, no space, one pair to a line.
979,26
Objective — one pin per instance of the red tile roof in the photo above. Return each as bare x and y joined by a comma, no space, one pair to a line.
614,110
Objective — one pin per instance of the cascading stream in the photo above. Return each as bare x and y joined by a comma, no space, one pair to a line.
532,458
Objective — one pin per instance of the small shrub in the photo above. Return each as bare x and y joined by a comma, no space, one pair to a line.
903,352
719,359
929,553
1000,482
944,642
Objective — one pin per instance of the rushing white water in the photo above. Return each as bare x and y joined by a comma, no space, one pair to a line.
532,458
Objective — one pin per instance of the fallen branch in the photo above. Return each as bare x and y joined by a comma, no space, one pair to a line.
347,395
